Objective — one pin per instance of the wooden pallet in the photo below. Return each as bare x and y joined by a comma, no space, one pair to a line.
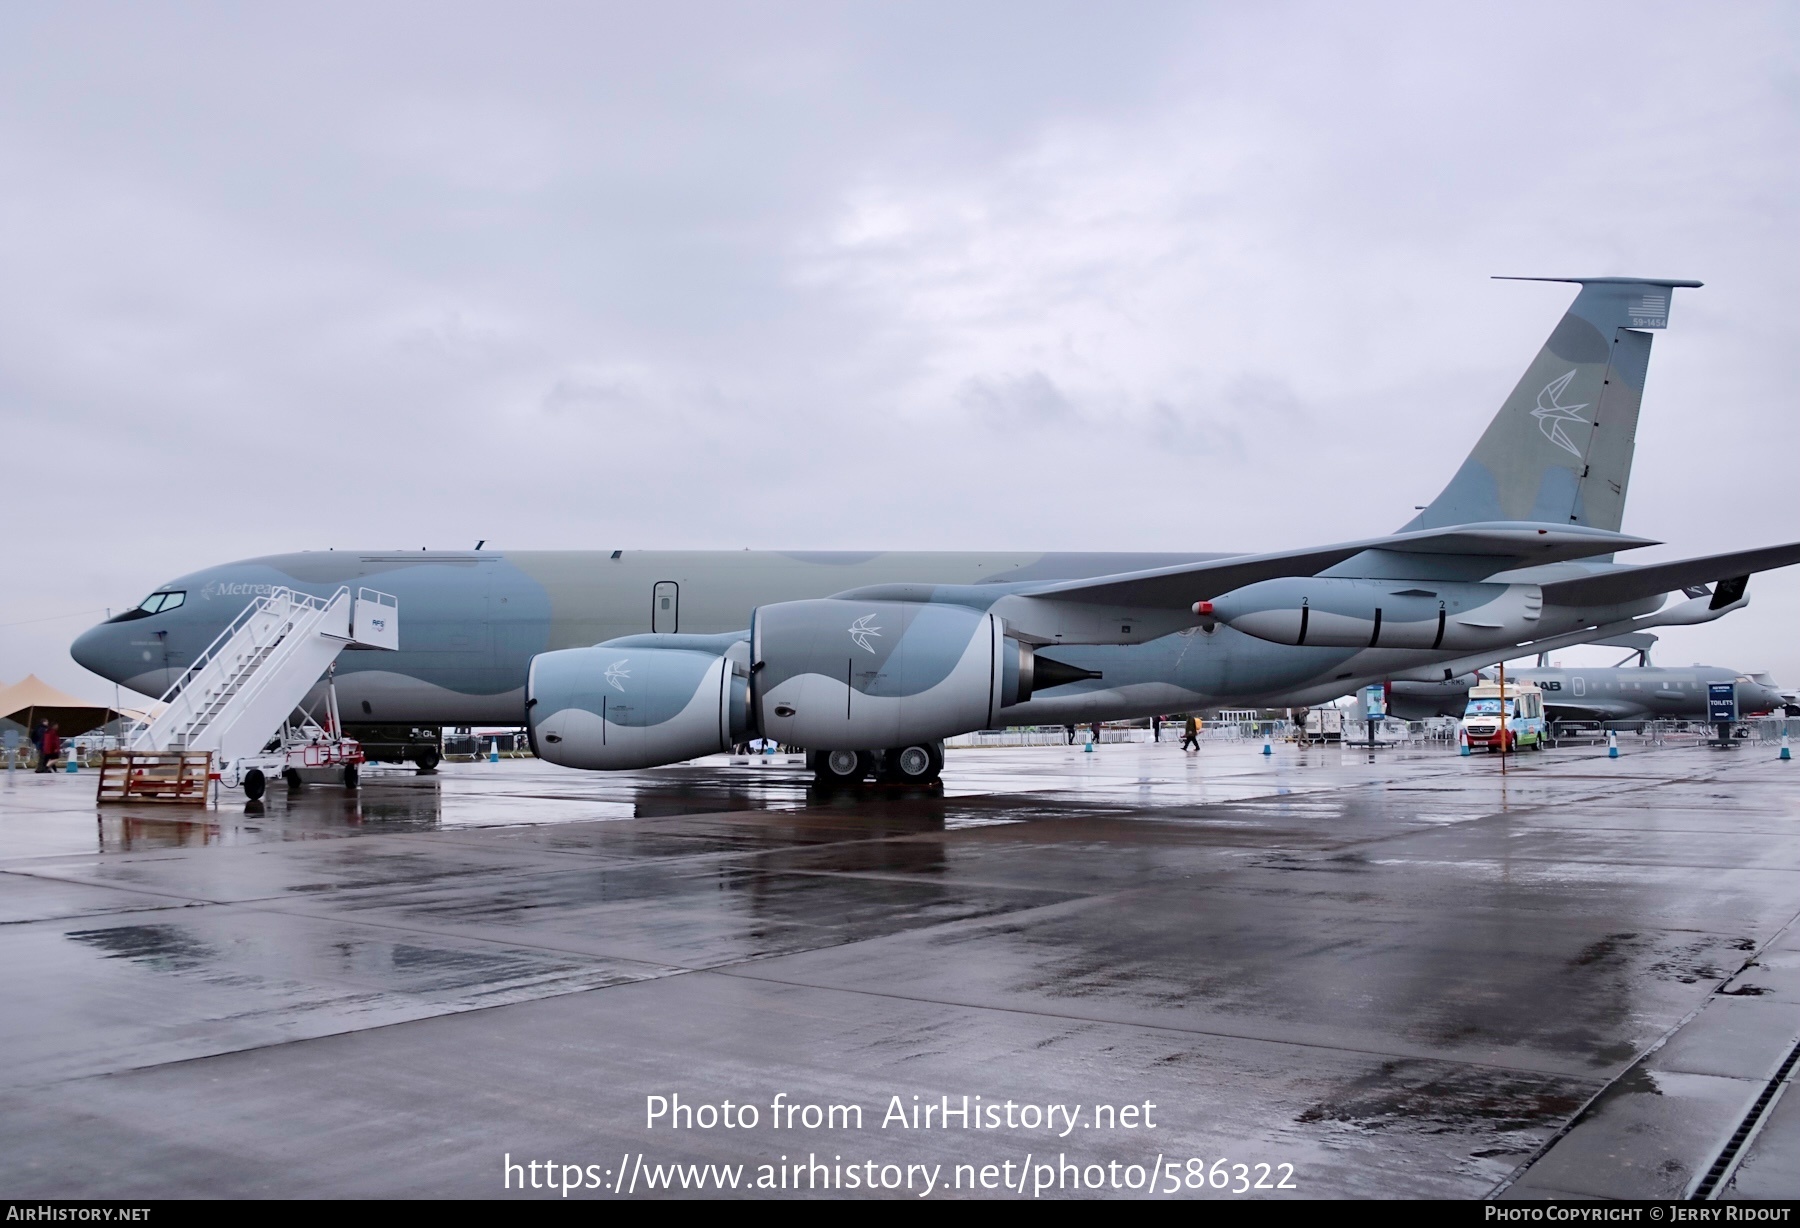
155,776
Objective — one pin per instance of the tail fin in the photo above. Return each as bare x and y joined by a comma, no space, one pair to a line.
1560,448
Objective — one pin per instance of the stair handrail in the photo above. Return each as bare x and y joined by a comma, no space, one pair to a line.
289,644
296,601
205,655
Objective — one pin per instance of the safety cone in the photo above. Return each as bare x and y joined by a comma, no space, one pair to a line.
493,750
1267,749
1612,744
1785,752
1462,740
74,762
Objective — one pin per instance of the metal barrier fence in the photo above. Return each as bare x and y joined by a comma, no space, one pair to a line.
1390,732
1771,729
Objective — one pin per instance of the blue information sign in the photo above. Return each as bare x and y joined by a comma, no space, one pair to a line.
1721,702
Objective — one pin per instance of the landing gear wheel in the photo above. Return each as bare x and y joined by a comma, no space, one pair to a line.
911,764
350,776
842,767
427,757
254,784
293,779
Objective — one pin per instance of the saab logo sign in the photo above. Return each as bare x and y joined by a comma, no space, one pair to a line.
616,673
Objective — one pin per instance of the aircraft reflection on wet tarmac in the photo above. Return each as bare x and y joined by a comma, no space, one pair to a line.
408,802
1405,972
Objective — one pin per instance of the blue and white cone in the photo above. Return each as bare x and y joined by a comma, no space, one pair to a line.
73,762
1612,744
493,750
1462,740
1267,749
1785,752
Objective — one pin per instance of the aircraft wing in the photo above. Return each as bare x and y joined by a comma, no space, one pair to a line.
1561,711
1622,584
1508,544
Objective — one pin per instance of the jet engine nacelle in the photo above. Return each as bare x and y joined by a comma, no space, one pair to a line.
842,674
1340,613
632,707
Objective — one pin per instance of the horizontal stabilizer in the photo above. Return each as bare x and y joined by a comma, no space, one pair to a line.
1506,545
1622,584
1637,641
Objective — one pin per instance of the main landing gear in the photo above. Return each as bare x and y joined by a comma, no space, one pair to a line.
919,764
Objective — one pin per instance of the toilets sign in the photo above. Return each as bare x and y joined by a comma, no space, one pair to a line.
1721,702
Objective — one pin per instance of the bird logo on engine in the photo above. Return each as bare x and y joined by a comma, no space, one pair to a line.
862,629
617,671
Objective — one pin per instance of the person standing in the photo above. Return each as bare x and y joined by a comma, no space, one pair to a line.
1095,727
1071,735
37,741
49,748
1190,734
1156,729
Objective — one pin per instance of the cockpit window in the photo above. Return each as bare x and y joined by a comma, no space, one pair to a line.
161,603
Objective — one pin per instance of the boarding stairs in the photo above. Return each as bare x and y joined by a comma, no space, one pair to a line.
240,691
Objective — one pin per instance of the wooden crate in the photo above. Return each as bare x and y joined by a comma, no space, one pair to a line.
155,776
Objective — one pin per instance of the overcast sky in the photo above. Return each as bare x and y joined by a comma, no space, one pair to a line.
1121,276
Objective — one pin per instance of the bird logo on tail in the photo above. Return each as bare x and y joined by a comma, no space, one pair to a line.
1551,416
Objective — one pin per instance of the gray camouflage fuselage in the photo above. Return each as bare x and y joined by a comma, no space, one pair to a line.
471,622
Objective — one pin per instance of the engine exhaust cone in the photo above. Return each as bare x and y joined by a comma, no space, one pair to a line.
1052,673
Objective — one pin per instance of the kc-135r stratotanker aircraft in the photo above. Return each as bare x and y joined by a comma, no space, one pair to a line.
629,659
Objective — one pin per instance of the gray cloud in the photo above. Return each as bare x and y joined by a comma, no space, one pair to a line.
283,279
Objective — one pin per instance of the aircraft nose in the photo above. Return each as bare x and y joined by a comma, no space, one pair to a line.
97,649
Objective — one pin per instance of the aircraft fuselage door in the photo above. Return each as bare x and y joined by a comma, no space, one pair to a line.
665,607
1581,686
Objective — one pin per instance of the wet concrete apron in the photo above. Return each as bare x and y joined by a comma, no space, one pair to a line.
1406,975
